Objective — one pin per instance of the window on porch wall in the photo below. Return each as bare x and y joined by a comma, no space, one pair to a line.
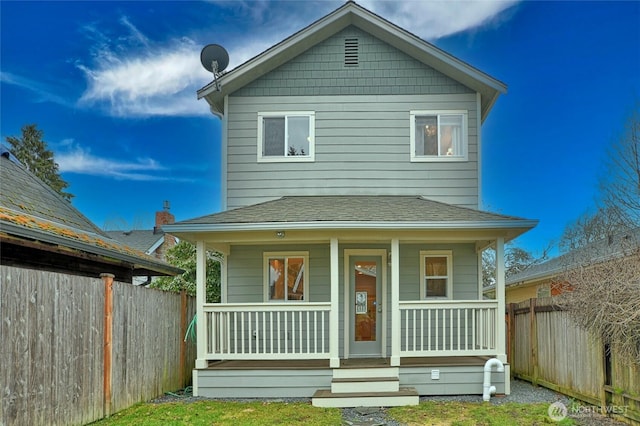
286,278
437,274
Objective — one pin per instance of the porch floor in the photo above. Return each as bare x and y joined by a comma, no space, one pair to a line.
314,364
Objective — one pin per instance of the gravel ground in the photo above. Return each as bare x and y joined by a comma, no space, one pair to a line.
521,392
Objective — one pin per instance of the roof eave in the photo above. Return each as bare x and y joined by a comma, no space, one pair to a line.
338,225
135,262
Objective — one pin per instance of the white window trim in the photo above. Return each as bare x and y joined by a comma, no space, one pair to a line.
294,158
272,254
436,253
439,158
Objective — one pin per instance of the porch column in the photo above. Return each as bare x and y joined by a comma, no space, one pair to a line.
395,303
223,278
334,318
501,346
201,298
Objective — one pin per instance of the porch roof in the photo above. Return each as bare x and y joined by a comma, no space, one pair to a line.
350,212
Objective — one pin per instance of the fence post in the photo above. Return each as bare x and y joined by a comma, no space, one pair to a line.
107,279
533,341
511,337
183,332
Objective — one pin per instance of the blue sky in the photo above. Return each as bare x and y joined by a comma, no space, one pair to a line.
112,85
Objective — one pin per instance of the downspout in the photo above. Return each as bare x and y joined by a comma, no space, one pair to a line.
487,389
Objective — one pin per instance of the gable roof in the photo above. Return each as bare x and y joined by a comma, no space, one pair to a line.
346,15
146,241
351,212
598,251
35,216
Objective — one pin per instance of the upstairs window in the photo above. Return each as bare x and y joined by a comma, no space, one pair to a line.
285,275
438,135
436,274
286,136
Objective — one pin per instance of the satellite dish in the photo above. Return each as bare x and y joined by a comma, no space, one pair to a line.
214,58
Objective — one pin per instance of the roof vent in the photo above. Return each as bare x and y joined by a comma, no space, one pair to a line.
350,52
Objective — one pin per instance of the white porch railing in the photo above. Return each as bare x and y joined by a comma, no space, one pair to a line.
448,328
267,330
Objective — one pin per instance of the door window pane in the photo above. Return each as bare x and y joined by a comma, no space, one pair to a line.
365,296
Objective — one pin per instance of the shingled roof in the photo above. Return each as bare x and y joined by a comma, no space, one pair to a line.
621,244
359,209
35,217
143,240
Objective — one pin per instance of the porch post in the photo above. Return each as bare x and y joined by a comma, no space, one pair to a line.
334,318
201,298
500,297
395,303
223,278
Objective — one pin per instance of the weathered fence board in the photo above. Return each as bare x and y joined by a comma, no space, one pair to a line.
550,349
52,340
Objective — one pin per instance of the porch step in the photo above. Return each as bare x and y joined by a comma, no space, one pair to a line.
403,396
365,384
355,372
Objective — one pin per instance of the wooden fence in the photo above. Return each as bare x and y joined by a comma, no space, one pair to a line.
546,347
58,333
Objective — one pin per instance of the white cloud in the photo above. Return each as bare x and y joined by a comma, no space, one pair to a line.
153,80
81,161
160,81
435,19
135,77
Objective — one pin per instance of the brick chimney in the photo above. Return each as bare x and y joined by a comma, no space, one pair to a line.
164,217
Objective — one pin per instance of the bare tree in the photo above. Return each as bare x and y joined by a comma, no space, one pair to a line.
620,186
602,270
516,260
589,228
603,283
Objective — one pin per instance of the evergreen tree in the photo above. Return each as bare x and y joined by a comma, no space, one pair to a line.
33,153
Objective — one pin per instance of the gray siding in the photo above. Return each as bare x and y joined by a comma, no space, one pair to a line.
279,383
458,380
246,281
361,125
381,70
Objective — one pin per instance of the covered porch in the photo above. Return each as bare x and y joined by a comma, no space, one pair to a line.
399,282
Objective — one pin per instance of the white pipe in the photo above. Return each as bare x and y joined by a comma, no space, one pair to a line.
487,389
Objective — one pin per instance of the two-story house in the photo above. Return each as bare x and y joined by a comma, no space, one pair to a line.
351,235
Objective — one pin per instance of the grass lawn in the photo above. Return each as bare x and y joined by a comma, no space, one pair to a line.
474,414
280,413
225,413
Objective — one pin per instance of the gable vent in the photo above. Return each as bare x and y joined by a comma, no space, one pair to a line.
350,52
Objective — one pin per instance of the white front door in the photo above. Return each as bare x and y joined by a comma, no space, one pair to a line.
366,310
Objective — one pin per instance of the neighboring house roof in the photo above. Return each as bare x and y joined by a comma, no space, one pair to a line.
34,216
146,241
351,212
353,14
595,252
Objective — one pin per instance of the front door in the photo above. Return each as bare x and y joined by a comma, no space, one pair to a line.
366,307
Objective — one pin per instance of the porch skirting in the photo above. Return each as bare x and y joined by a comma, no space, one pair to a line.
302,378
